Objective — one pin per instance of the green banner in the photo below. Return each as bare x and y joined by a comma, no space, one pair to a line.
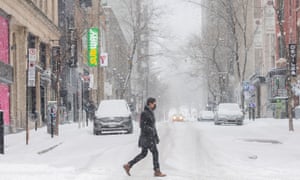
93,47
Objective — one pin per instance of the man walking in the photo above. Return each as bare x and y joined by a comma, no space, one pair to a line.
148,139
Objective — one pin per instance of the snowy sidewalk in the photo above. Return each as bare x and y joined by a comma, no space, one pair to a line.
258,150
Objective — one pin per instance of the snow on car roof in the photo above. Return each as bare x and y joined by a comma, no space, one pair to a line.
229,105
114,107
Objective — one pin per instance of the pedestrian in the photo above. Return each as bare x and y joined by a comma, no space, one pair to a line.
86,109
252,111
91,110
148,139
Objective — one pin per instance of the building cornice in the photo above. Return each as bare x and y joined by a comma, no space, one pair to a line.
25,13
37,13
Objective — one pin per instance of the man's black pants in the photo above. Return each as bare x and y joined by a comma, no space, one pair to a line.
143,154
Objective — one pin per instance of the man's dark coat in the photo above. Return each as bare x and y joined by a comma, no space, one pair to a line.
148,136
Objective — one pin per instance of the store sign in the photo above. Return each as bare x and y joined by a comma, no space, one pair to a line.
104,59
31,67
93,47
293,59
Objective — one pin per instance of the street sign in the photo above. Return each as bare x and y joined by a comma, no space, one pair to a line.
293,59
31,67
32,54
103,59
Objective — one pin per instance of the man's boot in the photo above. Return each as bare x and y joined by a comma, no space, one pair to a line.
157,173
127,169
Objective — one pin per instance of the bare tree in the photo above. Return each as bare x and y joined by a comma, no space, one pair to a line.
208,55
140,27
233,15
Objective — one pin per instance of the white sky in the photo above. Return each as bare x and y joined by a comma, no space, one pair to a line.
179,22
182,18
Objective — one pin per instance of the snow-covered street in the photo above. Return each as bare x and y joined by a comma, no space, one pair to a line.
261,149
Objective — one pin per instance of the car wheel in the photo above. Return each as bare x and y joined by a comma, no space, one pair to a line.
130,130
95,132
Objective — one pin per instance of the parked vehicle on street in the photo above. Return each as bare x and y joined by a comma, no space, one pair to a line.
113,116
206,115
229,113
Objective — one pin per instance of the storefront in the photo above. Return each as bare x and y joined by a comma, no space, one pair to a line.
278,93
5,69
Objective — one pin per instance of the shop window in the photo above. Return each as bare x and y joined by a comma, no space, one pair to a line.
43,56
281,47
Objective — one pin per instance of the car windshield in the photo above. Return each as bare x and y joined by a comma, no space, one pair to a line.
113,107
229,107
207,112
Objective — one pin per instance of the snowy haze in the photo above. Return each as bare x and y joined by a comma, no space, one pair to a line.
259,150
179,21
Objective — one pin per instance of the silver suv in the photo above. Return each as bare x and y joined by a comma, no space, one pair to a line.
229,113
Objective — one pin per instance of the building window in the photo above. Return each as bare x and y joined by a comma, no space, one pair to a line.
280,7
43,55
290,8
46,7
258,60
281,47
257,9
41,4
85,3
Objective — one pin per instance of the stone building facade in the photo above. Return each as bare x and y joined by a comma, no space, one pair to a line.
32,25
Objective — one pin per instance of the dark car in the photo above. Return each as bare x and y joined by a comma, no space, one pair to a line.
113,116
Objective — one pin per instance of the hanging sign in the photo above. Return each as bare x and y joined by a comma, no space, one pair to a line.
93,47
293,59
31,67
104,59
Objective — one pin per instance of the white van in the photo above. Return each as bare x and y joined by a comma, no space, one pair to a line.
113,116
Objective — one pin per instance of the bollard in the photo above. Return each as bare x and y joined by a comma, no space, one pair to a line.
1,132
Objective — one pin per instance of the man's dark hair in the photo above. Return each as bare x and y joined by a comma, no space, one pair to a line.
150,100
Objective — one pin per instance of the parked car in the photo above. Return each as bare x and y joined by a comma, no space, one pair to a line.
113,116
177,117
206,115
229,113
